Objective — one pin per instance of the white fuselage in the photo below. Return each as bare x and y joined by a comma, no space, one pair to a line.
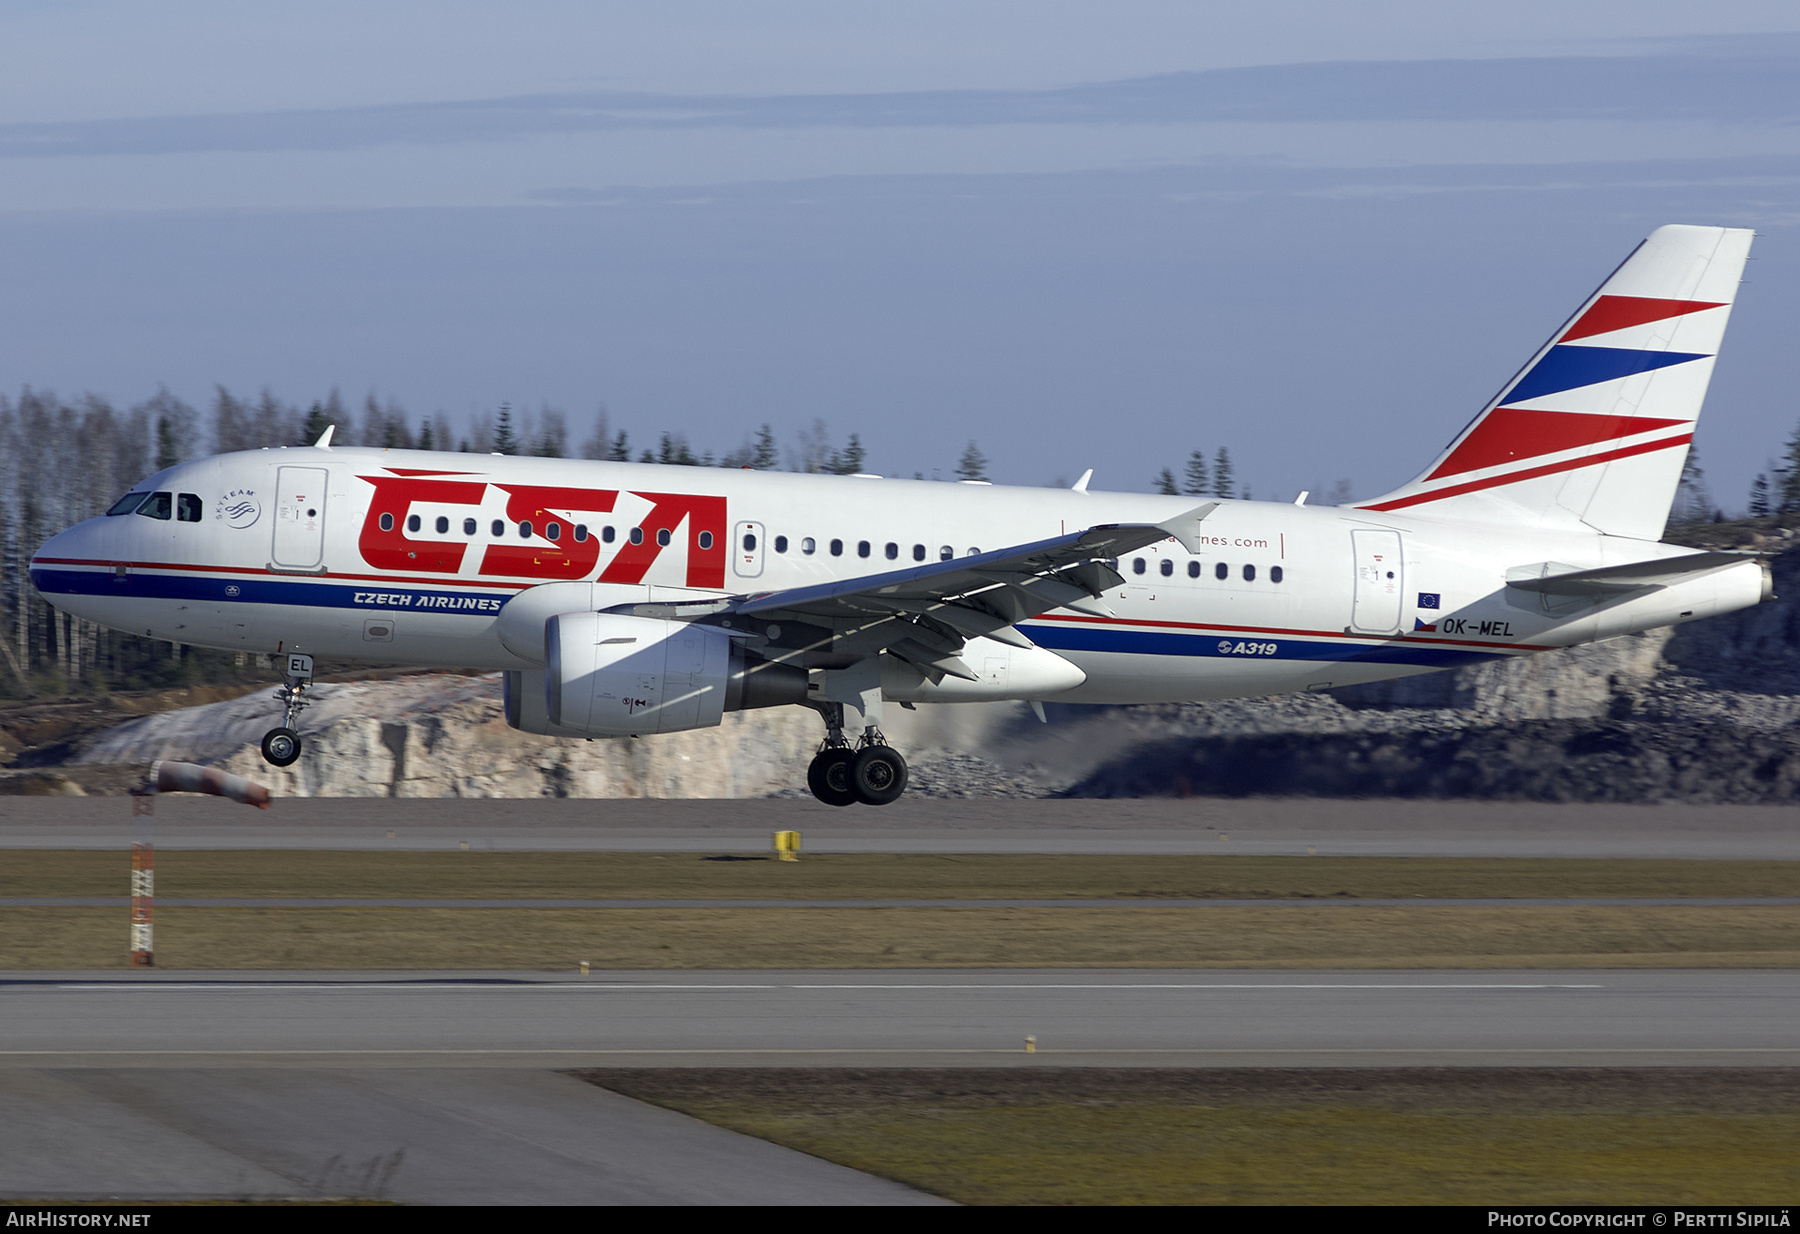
408,556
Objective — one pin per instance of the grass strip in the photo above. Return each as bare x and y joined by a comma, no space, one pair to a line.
1478,1136
500,875
727,938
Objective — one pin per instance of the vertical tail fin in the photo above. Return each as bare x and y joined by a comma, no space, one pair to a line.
1594,431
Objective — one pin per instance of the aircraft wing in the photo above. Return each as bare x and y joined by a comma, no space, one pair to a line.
925,614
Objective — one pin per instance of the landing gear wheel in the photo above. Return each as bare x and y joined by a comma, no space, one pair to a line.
829,776
281,746
878,775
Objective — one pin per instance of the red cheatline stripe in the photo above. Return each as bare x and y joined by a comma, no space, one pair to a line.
1338,635
1531,473
1617,312
435,580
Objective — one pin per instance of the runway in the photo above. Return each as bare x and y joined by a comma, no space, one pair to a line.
886,1018
1260,825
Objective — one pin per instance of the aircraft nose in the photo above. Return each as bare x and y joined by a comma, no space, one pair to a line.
58,564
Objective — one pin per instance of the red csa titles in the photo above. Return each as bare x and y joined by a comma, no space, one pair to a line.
551,552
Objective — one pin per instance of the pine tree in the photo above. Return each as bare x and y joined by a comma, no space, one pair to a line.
553,440
167,453
1222,486
767,457
1195,482
849,460
426,440
1693,503
973,464
1787,478
1165,483
620,450
316,424
504,441
1759,496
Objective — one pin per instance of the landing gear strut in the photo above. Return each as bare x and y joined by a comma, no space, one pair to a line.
281,746
872,772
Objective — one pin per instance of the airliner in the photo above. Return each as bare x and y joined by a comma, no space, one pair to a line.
627,600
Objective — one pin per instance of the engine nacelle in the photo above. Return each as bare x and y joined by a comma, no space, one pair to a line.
610,675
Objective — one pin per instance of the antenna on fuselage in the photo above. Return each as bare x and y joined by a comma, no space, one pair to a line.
324,442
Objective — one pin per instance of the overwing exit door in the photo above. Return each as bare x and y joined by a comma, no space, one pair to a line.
747,550
1380,581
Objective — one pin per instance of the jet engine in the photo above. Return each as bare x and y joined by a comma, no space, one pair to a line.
610,675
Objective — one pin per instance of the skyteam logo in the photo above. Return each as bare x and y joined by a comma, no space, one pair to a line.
239,508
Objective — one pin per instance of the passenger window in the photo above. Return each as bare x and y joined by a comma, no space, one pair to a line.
160,505
468,526
946,553
662,538
606,535
781,544
973,552
808,546
862,548
553,529
1274,574
837,548
637,535
525,529
1168,567
1193,569
387,522
581,534
443,525
187,507
1137,565
918,552
499,528
749,540
893,551
705,539
1221,571
127,503
1249,574
412,522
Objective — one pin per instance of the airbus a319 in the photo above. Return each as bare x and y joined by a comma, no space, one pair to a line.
627,599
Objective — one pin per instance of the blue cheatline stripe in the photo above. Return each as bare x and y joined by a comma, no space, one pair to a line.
1567,367
223,589
1061,637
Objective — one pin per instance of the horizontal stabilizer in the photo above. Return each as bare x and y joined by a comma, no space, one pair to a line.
1553,578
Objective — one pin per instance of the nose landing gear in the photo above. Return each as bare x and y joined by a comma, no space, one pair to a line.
281,746
872,772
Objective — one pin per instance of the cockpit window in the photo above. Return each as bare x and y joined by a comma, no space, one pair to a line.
127,503
158,505
187,507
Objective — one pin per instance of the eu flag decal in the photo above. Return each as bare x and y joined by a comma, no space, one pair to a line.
1428,599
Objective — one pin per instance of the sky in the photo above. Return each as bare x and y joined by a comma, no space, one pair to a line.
1083,235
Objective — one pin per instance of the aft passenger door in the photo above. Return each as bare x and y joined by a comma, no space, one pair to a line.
300,518
1380,581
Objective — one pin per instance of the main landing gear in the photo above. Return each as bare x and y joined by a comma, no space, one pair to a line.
281,746
871,772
